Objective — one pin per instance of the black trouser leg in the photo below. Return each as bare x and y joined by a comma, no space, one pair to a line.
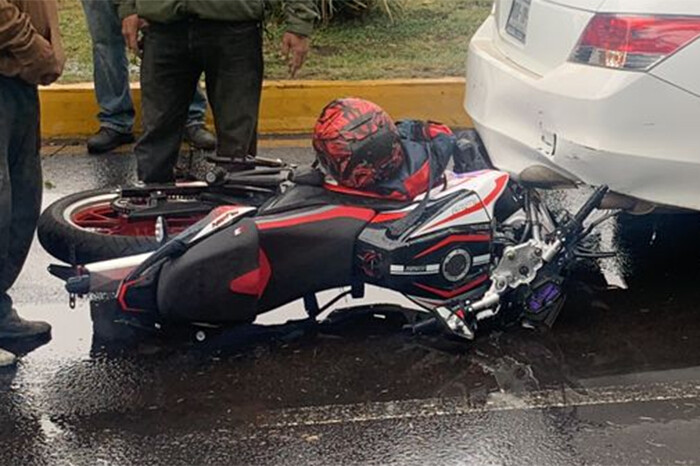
168,79
233,66
20,179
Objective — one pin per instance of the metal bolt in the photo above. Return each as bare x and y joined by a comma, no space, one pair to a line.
510,255
538,252
524,271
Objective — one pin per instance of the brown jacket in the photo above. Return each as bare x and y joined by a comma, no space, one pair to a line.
30,42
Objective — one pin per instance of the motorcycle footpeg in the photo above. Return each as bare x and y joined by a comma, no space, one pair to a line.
78,285
455,321
63,272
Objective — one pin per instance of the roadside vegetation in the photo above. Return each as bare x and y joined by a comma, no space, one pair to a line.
391,39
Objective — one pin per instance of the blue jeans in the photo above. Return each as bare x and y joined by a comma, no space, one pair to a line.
111,70
20,179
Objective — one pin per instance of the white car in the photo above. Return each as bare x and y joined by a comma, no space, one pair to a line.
592,91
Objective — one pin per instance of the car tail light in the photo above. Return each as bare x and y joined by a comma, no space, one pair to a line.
634,42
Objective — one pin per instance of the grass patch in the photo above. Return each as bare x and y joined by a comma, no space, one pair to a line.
429,39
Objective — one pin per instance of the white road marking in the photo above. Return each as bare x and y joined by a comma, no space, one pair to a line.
498,401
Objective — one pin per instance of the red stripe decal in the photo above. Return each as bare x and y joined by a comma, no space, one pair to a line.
492,196
451,294
389,217
253,283
455,239
338,212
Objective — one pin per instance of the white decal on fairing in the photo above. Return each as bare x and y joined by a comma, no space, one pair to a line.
485,184
430,269
226,217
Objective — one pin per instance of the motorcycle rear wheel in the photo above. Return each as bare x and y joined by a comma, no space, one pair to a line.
85,227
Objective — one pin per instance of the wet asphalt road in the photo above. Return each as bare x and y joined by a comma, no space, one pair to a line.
617,381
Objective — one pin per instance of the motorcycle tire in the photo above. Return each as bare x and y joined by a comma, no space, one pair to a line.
102,234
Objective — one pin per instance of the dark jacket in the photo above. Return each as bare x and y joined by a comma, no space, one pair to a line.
300,14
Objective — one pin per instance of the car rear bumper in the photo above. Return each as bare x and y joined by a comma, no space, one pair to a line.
632,131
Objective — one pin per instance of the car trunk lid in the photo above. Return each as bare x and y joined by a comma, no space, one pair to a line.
539,35
590,5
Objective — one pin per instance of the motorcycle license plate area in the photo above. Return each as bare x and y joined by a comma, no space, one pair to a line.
517,20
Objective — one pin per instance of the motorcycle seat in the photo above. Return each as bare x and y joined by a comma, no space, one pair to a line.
301,196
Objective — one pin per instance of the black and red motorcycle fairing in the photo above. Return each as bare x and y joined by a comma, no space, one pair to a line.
261,263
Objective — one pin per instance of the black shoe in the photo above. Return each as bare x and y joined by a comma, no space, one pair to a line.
13,326
200,138
107,139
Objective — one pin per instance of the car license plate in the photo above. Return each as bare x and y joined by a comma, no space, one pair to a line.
517,20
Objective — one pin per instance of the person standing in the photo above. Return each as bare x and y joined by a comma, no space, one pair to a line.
223,39
30,54
111,77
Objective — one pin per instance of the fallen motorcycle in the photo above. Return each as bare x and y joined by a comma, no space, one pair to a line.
476,247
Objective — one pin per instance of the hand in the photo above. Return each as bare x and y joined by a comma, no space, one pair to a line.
298,46
45,68
131,25
49,78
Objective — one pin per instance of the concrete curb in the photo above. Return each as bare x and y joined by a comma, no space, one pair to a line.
288,107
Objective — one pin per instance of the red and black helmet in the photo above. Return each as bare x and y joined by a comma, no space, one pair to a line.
357,143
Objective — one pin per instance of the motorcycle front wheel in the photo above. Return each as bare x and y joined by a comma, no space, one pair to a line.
86,227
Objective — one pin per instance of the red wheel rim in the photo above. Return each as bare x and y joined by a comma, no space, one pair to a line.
104,220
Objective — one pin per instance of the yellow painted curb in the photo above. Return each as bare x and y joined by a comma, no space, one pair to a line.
288,107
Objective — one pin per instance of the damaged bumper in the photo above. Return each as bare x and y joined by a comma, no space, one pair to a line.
631,131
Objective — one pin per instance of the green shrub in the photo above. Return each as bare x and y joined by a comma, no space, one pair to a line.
334,9
339,10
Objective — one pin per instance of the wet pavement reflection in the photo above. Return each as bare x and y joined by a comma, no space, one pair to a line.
616,381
